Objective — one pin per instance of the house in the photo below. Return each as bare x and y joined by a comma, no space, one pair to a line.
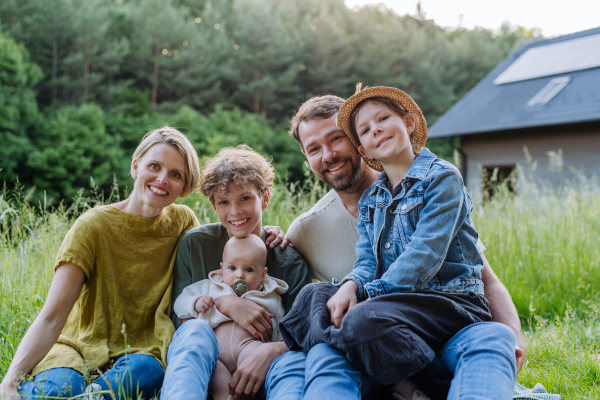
540,106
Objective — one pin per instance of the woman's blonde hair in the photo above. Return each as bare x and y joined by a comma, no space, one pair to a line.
181,143
240,165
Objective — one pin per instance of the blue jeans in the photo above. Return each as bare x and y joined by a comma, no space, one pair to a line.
321,373
191,362
131,375
481,357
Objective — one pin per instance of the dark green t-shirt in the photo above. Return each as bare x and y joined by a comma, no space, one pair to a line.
201,251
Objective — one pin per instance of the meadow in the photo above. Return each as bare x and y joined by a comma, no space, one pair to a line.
543,245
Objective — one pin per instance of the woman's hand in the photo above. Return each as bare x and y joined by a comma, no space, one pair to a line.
339,304
203,304
248,315
276,236
8,391
251,373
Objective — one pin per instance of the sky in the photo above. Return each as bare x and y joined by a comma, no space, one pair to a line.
554,19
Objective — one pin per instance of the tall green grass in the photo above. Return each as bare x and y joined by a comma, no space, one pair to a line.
542,244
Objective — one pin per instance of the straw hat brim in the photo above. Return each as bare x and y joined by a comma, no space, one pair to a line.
419,133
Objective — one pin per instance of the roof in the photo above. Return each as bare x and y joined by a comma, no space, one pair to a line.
562,98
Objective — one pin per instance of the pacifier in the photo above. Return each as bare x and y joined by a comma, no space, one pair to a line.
240,286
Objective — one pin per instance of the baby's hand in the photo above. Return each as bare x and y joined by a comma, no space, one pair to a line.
203,304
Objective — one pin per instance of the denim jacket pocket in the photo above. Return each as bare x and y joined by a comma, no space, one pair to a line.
367,216
407,204
407,216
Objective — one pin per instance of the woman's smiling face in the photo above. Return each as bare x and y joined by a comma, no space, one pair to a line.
240,209
159,176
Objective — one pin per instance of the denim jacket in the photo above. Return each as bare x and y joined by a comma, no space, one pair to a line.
422,239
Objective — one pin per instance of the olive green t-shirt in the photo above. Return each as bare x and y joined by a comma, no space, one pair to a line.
128,264
201,251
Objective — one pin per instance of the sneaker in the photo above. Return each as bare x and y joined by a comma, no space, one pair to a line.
91,392
417,394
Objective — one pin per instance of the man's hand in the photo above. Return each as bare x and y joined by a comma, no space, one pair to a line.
503,309
203,304
339,304
251,373
521,353
8,391
248,315
276,236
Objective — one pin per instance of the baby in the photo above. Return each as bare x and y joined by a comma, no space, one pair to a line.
243,273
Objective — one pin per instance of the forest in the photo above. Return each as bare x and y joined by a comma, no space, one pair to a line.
82,81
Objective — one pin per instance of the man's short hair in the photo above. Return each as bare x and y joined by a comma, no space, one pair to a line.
240,165
317,107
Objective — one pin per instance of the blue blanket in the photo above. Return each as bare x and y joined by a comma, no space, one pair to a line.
537,393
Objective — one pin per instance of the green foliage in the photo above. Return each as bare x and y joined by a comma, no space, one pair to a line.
204,66
18,107
543,246
132,102
75,148
262,56
229,128
563,354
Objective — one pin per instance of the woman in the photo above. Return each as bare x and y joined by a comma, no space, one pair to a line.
109,299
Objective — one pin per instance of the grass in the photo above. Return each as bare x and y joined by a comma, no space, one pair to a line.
543,246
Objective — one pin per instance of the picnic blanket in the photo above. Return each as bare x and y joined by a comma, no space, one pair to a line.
537,393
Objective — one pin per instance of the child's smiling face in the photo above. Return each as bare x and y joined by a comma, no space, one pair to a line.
240,209
383,134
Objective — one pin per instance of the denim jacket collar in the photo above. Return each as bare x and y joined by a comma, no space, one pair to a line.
417,171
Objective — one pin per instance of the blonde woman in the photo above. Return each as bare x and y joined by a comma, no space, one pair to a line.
110,296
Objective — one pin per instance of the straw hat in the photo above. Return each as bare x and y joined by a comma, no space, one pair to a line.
419,133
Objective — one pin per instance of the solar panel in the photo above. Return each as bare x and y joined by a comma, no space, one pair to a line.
552,59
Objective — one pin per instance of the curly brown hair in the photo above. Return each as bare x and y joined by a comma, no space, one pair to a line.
240,165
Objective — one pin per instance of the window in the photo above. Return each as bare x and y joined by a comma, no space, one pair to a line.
498,178
549,91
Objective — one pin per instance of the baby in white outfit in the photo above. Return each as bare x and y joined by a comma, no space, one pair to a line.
243,260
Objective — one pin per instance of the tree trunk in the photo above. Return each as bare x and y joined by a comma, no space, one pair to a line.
256,92
86,70
54,61
155,74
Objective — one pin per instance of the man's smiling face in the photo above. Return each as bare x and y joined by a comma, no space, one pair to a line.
331,155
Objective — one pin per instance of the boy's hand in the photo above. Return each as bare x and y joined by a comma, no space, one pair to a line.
251,373
203,304
276,236
339,304
247,314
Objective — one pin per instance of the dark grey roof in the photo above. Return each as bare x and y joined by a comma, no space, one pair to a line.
490,108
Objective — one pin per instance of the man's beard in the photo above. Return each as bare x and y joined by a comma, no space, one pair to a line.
345,182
